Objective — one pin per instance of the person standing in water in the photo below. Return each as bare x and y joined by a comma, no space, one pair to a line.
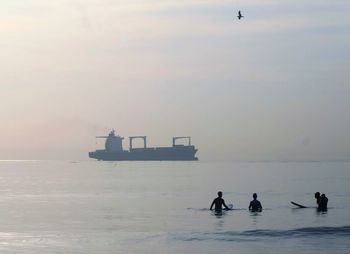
255,205
323,203
219,202
318,198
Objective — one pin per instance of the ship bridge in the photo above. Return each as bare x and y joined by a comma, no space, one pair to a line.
113,143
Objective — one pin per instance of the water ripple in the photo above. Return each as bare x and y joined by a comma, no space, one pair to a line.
252,235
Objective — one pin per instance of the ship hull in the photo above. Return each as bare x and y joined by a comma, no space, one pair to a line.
175,153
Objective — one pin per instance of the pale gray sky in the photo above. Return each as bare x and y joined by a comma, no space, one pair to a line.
273,86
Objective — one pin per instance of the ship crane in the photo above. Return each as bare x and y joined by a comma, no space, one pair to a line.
176,138
133,137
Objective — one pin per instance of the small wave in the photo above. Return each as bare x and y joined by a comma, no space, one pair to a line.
252,235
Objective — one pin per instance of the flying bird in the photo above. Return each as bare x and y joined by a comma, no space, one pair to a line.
240,15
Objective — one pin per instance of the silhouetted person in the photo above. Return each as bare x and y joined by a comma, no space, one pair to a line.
255,205
218,202
318,197
240,15
322,206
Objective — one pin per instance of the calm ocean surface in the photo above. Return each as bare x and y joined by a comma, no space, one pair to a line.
162,207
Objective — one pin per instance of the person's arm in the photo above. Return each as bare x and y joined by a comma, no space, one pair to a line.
260,207
250,206
211,206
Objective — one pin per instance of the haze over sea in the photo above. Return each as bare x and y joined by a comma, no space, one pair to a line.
162,207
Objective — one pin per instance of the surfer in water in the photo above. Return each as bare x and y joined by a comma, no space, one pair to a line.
323,202
255,205
219,202
318,198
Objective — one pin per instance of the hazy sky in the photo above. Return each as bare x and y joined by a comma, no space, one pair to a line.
272,86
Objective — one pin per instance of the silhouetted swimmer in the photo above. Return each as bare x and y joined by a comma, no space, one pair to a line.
318,197
219,202
322,206
255,205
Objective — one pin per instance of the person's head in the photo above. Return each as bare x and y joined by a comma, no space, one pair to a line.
323,195
220,194
317,195
255,196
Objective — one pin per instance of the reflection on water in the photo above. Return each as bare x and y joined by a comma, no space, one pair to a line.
255,218
219,225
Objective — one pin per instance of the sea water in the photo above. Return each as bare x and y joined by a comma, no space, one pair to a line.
162,207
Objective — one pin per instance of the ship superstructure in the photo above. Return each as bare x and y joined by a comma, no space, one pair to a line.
114,150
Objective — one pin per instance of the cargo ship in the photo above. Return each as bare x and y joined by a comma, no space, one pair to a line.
114,150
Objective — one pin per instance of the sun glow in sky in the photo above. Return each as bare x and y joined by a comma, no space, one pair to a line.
272,86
